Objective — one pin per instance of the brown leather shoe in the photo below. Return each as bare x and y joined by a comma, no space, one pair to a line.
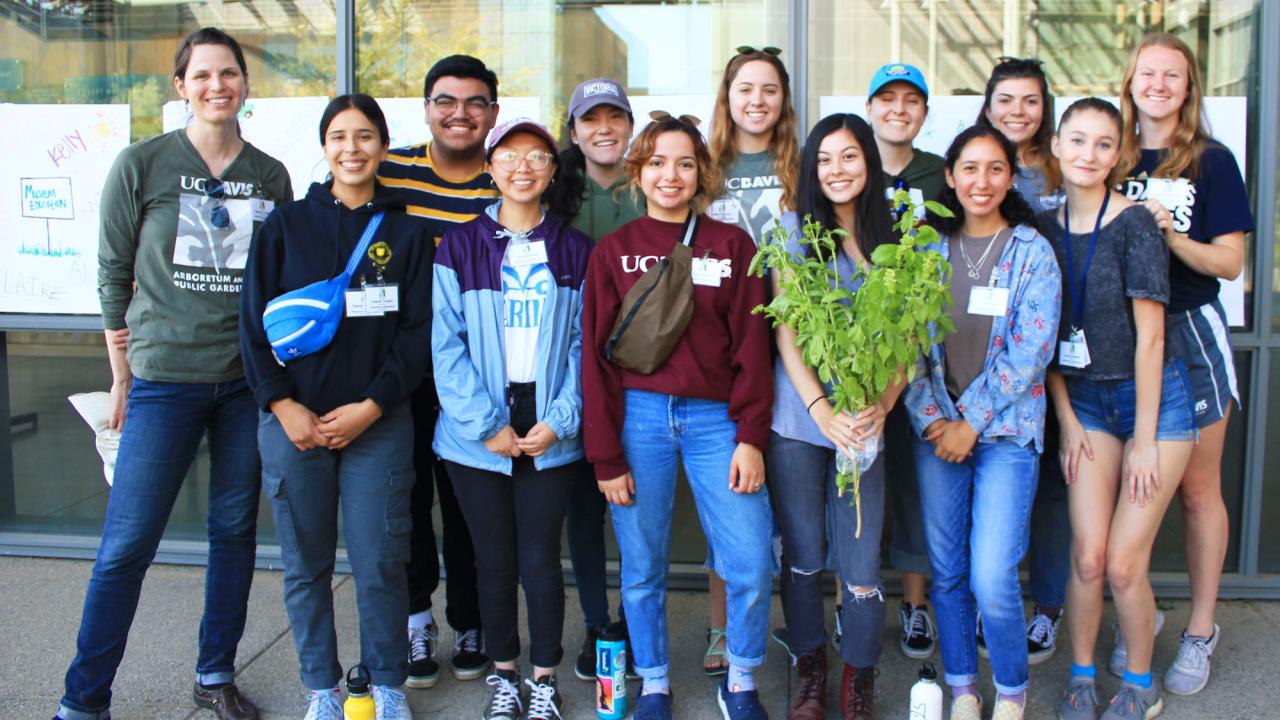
858,693
810,701
226,702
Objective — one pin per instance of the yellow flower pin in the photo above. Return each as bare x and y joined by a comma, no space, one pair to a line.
380,254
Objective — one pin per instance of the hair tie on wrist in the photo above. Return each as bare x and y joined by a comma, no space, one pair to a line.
815,402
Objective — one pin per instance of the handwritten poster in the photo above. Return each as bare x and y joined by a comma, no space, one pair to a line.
56,162
948,115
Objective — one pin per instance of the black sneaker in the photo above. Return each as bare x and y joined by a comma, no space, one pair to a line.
468,661
585,667
1042,636
544,698
982,641
918,635
424,671
504,700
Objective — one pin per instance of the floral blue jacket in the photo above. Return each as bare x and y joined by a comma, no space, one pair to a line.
1007,399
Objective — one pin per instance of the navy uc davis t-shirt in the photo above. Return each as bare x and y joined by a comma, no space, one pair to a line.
1213,204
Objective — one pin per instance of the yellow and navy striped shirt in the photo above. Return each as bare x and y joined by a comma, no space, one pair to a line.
440,202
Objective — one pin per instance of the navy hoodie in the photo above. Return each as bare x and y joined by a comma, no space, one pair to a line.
381,358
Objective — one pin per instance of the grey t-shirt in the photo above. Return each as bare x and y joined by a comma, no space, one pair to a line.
1030,184
1131,261
967,347
752,197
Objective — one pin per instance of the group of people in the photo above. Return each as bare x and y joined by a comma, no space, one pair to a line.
469,358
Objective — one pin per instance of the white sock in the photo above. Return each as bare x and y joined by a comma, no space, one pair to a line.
740,679
656,685
419,621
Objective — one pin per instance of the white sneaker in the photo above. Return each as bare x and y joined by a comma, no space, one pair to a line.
1189,673
1120,655
391,703
324,704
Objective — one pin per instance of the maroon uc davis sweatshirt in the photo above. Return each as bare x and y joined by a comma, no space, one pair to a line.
724,354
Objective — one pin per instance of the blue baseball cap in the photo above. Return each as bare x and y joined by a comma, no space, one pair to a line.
898,72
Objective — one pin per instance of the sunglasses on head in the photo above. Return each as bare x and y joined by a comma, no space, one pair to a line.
661,115
218,215
767,50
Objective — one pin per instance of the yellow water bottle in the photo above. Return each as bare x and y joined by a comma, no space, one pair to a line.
359,704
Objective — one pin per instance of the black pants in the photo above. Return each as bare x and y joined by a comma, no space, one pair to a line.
515,524
461,604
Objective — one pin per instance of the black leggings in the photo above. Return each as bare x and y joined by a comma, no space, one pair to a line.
515,524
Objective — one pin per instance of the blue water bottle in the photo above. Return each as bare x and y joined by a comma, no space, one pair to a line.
611,675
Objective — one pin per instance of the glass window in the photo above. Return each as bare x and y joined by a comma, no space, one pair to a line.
1269,532
75,53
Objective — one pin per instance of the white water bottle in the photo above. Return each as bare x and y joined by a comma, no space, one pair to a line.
926,695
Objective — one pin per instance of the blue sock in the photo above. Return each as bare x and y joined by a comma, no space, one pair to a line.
1083,671
661,684
740,679
1142,680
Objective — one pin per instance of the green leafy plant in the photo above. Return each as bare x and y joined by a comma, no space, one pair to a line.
860,342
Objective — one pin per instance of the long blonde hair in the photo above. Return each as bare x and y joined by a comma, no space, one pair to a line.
1190,136
784,144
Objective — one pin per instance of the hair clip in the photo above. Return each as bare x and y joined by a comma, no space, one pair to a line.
767,50
661,115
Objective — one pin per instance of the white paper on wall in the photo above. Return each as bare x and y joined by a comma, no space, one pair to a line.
948,115
56,161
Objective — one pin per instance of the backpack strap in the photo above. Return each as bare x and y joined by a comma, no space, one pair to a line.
369,231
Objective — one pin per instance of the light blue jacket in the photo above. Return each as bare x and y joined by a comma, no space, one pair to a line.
1007,399
468,335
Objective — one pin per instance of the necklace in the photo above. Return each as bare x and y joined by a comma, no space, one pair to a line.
975,269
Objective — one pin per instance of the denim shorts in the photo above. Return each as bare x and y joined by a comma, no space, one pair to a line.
1109,406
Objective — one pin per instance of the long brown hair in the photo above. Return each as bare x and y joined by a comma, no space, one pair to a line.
784,144
1037,153
643,146
1189,138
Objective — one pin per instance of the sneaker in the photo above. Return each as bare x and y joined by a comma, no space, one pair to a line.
1189,672
654,706
1042,636
741,705
390,703
966,707
1120,655
1080,701
424,671
504,702
858,693
1134,703
810,701
468,661
324,704
982,640
585,667
839,631
225,701
544,698
918,635
1006,709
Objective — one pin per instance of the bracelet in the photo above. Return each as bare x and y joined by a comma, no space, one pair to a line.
815,402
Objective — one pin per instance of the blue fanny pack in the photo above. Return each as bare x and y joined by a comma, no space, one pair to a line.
303,321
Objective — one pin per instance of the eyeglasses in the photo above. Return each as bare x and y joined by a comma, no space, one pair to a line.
509,160
218,215
661,115
474,105
767,50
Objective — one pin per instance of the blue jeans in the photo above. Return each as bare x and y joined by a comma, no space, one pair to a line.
657,432
976,517
164,424
802,478
371,480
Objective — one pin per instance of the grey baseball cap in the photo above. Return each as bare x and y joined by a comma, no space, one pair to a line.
597,91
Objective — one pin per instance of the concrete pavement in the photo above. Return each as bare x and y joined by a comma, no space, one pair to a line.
41,601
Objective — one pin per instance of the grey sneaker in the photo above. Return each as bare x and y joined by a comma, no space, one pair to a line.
324,704
1134,703
1189,672
1080,701
1120,655
390,703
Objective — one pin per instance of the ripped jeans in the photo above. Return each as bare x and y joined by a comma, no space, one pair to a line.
802,484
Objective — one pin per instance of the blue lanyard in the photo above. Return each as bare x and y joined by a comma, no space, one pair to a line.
1077,293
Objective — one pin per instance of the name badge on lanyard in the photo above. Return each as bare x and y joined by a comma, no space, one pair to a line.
526,254
706,271
1074,351
989,300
